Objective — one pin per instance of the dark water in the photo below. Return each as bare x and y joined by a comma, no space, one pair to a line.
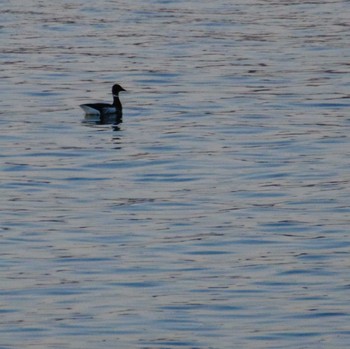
217,216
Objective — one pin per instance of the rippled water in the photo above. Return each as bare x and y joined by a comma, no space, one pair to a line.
216,216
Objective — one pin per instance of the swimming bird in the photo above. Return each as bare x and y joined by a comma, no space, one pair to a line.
105,110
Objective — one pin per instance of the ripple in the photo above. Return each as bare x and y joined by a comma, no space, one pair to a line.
215,213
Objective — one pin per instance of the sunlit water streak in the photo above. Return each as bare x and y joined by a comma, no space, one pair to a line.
216,215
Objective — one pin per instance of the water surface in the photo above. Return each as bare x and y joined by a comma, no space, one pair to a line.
216,215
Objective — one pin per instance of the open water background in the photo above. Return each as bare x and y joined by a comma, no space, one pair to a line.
217,216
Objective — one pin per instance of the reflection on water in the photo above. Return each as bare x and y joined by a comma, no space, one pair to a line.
216,216
107,119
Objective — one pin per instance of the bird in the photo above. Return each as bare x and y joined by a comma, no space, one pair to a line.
104,110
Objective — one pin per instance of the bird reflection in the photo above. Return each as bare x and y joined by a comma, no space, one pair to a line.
111,119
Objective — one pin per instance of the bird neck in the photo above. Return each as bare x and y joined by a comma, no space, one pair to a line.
118,107
116,102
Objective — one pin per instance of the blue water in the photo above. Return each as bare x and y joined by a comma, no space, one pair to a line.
216,216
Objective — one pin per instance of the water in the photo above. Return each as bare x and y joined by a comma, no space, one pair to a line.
216,216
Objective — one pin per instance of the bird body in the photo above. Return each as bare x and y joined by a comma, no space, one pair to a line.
105,110
98,108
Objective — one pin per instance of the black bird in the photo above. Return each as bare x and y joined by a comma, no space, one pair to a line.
105,110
